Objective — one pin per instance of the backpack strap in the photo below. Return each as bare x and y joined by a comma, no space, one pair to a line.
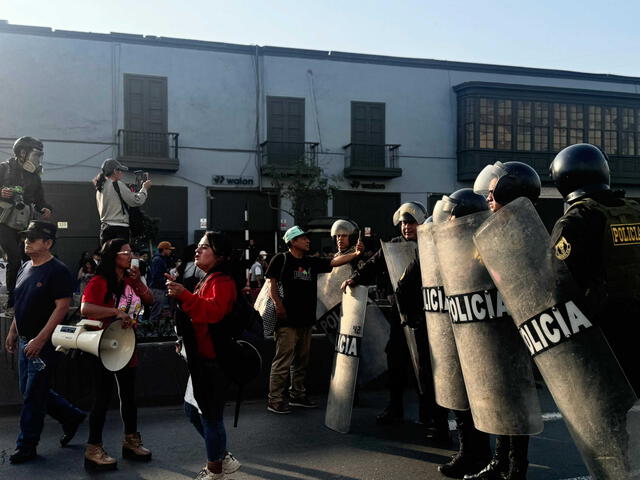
125,207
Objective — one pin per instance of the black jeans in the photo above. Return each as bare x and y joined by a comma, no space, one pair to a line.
13,247
109,232
103,388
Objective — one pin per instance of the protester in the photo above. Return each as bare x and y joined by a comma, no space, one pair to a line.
213,299
42,297
115,293
86,273
114,199
160,264
297,273
21,199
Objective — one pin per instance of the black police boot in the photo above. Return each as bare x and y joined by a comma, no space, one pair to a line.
498,467
474,452
437,430
518,458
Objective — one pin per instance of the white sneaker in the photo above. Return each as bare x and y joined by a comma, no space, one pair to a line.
230,464
206,474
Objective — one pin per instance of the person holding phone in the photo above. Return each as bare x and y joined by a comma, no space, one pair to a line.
116,292
114,198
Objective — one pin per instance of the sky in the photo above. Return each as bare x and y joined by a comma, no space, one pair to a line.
588,36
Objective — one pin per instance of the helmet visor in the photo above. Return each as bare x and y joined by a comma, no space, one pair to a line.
488,178
438,214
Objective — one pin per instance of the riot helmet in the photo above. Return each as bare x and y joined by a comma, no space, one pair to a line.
463,202
508,181
438,214
411,212
580,170
34,151
346,227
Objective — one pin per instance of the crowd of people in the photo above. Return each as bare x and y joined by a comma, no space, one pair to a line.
207,287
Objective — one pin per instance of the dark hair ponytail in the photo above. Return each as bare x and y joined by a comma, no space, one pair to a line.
99,180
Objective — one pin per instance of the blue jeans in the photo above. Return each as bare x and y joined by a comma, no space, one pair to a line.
213,432
38,399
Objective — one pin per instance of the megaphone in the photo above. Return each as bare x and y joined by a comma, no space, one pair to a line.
114,345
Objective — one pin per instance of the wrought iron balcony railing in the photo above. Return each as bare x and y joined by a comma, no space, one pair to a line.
362,159
159,145
289,155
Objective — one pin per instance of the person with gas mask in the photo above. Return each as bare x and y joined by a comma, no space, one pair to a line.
598,239
399,362
21,200
501,183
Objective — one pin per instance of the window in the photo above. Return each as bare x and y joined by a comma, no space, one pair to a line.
503,125
541,126
610,130
487,119
595,125
469,123
628,132
525,120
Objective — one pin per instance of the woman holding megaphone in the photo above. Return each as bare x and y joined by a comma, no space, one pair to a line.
116,292
213,299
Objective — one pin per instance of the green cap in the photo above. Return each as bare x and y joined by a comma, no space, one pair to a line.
292,233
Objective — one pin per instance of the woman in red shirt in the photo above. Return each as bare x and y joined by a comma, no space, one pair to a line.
212,300
116,292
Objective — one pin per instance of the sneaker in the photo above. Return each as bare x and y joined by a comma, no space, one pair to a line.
304,402
280,408
230,464
23,454
206,474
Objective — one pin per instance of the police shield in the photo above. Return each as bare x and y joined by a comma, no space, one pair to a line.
571,353
329,299
495,364
448,381
398,256
347,357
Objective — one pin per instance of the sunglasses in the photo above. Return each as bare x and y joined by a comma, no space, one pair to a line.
125,252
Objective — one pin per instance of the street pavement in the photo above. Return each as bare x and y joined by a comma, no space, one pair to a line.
282,447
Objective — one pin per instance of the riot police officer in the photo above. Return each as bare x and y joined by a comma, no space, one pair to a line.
474,450
502,183
408,216
598,240
21,199
345,234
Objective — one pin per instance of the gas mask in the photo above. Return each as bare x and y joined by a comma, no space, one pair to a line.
32,161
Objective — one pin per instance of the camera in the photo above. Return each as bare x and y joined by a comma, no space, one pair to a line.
18,198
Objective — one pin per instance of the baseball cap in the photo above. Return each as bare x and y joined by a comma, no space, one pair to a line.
165,244
40,229
110,165
292,233
263,253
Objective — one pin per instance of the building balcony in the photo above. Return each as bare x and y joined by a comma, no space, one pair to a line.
371,161
625,169
140,150
288,158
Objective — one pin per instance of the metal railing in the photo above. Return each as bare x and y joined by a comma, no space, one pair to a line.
289,154
363,155
135,143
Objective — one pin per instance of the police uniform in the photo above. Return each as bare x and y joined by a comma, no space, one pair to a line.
398,357
598,239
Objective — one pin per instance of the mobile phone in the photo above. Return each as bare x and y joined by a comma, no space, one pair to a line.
141,177
135,262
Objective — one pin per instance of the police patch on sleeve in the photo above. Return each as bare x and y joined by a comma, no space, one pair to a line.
562,249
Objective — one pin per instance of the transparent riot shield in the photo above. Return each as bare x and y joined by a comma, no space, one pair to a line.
373,361
329,299
346,359
448,381
496,366
398,256
578,366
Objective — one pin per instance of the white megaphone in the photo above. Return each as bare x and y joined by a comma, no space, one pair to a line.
114,345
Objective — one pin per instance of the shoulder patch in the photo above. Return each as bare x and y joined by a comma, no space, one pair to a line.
562,249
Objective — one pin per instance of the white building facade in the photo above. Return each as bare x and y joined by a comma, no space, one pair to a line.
214,123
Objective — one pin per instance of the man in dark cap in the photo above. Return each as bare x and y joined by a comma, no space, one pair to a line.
42,296
114,199
21,197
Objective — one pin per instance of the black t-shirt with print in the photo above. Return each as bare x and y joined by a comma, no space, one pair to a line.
298,277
